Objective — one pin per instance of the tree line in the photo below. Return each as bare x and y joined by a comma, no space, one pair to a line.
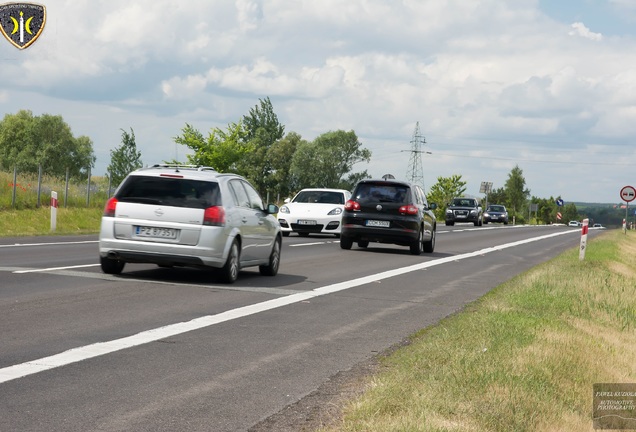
257,147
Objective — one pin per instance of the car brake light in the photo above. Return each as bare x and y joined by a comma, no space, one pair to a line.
408,209
171,175
214,216
109,208
352,205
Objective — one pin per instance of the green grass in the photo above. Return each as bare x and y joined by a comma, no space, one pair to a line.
35,222
522,358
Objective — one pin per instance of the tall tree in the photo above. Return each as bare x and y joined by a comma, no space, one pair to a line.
262,130
516,191
221,150
279,156
442,192
124,158
328,161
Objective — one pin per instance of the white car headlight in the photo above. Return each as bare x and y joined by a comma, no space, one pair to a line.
284,209
335,211
486,214
449,211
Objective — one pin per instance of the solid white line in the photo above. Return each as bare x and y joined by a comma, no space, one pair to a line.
54,268
47,244
75,355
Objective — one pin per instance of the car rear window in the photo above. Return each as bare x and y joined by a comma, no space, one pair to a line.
170,192
381,193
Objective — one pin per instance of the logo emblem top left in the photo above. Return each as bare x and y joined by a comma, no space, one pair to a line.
22,23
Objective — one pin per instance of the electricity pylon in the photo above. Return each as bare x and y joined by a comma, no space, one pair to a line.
415,173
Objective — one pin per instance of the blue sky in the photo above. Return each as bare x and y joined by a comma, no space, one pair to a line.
548,85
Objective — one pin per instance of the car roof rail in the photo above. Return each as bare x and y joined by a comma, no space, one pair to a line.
187,166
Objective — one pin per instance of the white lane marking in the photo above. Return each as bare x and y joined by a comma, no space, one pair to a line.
310,244
54,268
75,355
47,244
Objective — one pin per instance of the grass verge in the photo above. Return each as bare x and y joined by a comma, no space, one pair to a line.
33,222
522,358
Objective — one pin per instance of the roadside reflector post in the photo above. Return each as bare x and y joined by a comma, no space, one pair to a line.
584,229
53,210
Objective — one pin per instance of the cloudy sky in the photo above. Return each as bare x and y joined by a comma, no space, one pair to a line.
547,85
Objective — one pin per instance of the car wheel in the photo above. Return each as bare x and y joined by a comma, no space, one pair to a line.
505,223
417,246
285,233
230,271
429,246
363,243
111,266
271,269
485,222
450,223
345,242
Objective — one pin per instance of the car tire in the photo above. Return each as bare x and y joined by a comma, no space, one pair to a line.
505,223
418,245
345,242
271,269
285,233
363,243
230,271
450,223
429,246
111,266
485,222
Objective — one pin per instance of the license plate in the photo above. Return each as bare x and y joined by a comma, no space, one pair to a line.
154,232
494,217
306,222
377,223
461,216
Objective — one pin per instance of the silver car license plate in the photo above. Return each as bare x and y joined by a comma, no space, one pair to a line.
155,232
378,223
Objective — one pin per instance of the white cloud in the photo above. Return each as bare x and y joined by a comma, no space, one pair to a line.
581,30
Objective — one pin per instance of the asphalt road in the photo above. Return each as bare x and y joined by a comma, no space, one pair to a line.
174,350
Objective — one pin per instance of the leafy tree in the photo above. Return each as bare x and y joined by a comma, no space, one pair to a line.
262,130
221,150
29,142
498,196
444,191
279,156
124,158
328,161
516,191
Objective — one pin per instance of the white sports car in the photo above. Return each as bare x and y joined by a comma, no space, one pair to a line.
313,211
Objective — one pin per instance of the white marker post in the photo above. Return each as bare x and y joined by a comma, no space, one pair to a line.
53,211
584,229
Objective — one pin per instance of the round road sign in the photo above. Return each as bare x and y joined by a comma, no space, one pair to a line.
628,193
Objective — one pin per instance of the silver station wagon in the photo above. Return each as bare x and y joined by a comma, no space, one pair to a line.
182,215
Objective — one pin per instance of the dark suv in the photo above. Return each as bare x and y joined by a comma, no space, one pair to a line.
463,210
389,211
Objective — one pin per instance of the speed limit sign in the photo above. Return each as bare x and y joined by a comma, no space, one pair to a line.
628,194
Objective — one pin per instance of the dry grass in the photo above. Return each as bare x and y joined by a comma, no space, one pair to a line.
523,358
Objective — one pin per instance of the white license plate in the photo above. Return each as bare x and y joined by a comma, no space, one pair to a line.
306,222
377,223
461,216
154,232
494,217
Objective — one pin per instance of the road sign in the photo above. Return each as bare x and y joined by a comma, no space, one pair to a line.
628,193
559,202
559,216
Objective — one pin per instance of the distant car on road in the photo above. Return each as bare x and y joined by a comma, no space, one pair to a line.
598,225
313,211
574,223
463,210
496,213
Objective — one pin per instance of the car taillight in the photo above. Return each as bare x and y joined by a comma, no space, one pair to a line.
109,208
214,216
352,205
408,209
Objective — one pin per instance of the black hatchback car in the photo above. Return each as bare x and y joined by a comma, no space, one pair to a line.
389,211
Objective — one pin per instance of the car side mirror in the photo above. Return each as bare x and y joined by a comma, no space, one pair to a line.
432,206
287,200
272,209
